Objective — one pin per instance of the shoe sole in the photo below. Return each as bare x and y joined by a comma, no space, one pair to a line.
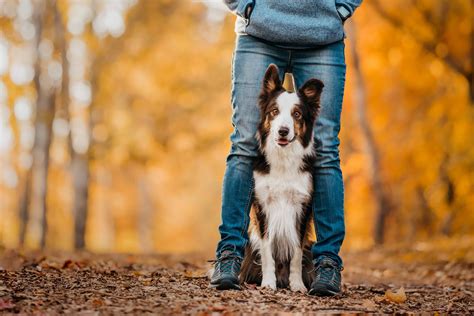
322,292
226,284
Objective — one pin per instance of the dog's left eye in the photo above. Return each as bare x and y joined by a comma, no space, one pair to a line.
274,112
297,115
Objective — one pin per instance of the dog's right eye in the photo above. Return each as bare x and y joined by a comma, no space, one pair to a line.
274,112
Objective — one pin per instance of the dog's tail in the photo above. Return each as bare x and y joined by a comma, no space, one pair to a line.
308,266
251,270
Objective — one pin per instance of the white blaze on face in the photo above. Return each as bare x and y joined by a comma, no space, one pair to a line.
286,103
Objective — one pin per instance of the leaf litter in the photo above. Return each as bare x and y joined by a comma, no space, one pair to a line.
85,283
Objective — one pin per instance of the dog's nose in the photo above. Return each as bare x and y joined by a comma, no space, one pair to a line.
283,131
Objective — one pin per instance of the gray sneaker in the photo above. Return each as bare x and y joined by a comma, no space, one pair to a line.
226,272
328,278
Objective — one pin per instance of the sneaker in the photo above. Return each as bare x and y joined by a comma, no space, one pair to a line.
226,272
328,278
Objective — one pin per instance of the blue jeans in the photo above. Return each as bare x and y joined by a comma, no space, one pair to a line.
250,60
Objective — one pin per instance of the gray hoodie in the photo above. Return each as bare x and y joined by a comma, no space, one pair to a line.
293,23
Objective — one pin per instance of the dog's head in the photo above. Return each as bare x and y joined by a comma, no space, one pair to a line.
287,118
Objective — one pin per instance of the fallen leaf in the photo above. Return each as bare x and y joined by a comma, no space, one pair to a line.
397,297
369,304
97,302
6,304
50,265
194,274
138,273
67,264
218,308
251,286
150,288
70,264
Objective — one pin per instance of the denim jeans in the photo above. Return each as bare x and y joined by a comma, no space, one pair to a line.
250,60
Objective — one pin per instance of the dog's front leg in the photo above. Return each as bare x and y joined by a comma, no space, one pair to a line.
268,264
296,275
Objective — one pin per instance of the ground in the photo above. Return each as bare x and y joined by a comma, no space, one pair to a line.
85,283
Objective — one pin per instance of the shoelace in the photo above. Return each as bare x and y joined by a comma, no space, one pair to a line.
227,263
326,272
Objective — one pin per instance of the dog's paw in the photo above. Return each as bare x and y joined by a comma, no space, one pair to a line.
296,283
298,287
269,284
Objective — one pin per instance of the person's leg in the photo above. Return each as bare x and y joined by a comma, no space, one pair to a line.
327,64
251,59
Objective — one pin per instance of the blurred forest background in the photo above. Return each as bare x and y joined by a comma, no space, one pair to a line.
115,123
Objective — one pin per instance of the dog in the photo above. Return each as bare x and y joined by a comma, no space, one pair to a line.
278,253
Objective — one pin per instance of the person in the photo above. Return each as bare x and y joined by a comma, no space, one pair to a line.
309,36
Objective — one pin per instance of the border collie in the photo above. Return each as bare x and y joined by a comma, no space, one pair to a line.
278,254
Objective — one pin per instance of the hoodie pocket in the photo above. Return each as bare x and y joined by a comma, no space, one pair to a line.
242,8
251,15
295,23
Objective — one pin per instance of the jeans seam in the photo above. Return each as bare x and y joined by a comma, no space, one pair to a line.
316,221
247,211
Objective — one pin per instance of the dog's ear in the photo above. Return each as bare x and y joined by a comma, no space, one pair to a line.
310,92
271,80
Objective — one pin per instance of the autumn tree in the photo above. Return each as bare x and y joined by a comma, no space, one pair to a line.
431,29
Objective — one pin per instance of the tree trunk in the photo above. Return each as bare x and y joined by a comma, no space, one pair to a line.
447,223
456,64
79,161
471,77
42,142
377,186
61,42
145,215
24,205
422,220
80,175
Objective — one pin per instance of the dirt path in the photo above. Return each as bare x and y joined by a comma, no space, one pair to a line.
117,284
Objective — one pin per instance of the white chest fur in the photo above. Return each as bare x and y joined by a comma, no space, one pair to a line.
281,194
